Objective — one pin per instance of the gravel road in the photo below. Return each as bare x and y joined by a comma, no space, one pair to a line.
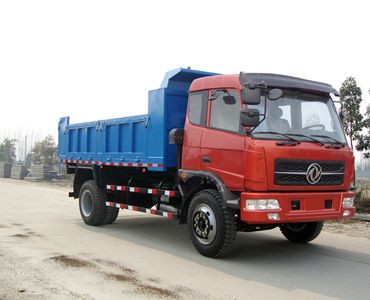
47,252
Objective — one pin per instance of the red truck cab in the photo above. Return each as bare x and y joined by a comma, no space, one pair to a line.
292,166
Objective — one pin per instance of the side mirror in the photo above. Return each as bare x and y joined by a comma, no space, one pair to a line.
275,94
176,136
251,96
229,100
249,117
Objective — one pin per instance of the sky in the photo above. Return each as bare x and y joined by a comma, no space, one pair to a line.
97,59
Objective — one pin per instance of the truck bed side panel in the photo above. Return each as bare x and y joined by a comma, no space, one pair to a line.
115,140
139,140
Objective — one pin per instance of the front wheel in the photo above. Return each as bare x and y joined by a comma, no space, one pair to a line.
301,232
212,226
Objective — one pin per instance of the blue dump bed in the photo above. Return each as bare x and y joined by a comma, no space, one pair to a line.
132,141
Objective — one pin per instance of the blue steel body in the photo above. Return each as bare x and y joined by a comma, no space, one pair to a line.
137,139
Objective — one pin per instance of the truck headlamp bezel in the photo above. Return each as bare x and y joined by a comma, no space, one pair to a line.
262,204
348,202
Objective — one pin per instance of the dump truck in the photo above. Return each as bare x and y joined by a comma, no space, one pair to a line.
220,153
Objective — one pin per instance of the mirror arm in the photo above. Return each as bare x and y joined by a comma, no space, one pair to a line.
214,93
251,131
226,91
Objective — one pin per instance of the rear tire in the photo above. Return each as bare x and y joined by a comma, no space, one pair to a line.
301,232
211,225
92,204
111,216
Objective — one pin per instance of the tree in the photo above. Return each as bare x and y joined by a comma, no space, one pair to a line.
364,140
45,152
7,150
350,98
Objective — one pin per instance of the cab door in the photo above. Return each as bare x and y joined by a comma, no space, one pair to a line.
223,141
194,126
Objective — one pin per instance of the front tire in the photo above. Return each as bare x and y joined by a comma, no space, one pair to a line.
211,225
92,204
301,232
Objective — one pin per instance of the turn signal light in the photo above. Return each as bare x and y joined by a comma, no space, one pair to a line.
346,213
273,216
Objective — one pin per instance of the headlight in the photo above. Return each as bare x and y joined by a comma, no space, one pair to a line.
262,204
348,201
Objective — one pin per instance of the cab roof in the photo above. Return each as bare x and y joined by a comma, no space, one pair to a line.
270,80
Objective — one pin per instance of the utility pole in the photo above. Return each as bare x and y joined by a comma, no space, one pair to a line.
25,149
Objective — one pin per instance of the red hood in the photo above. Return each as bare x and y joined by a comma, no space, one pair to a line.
262,154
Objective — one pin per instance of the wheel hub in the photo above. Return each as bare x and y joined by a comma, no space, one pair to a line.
86,203
201,225
204,224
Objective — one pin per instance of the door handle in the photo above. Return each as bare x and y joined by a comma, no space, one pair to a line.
206,159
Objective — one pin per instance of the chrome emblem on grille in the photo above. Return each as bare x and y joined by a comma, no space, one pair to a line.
314,173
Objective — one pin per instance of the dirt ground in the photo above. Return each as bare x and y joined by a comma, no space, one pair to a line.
47,252
350,227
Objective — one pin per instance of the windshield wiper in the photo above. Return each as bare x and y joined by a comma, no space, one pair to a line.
307,136
330,138
282,134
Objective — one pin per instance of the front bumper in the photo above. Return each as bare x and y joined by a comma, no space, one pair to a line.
312,207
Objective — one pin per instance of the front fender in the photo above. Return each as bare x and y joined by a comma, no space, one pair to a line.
190,178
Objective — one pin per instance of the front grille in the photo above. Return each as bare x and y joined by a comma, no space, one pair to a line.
293,172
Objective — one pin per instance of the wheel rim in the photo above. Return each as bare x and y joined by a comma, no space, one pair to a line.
86,203
296,226
204,224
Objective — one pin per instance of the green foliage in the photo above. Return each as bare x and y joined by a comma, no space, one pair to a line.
351,97
45,152
7,150
364,140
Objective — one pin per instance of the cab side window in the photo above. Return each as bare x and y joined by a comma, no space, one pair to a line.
225,113
197,108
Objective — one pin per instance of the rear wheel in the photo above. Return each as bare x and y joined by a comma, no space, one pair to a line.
212,226
111,216
92,204
301,232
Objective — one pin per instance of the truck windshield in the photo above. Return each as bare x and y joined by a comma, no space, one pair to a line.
304,116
